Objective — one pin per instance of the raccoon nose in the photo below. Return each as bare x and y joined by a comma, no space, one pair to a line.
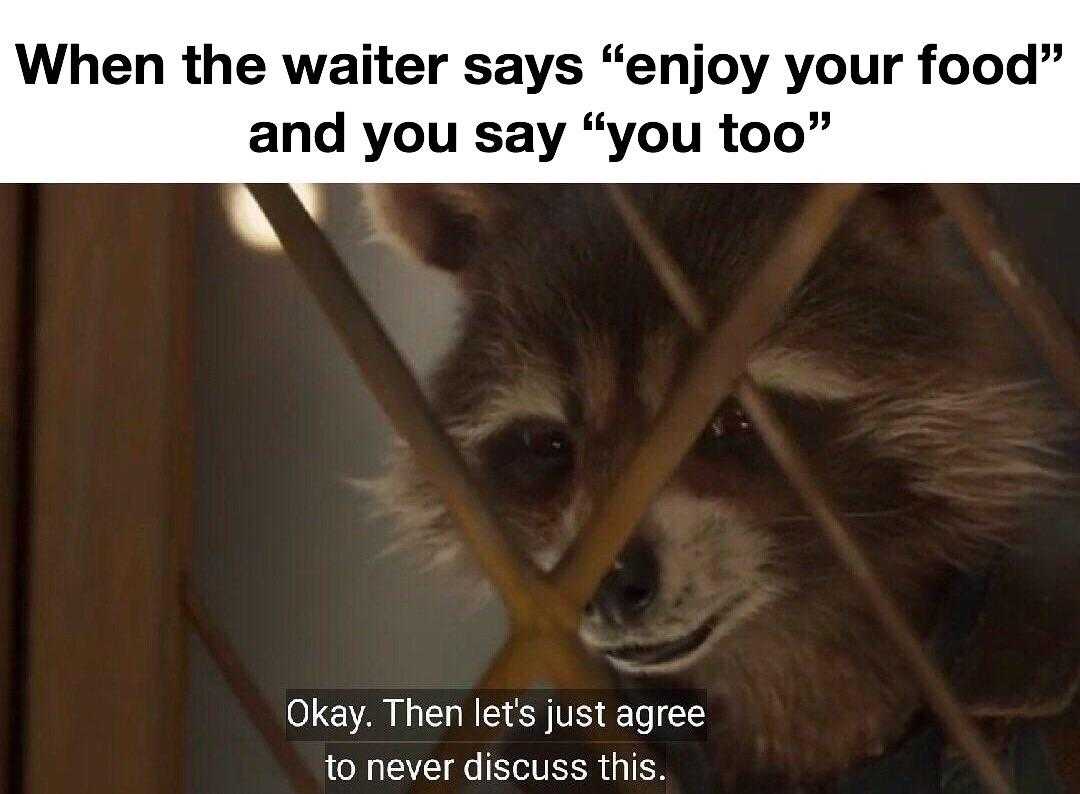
631,587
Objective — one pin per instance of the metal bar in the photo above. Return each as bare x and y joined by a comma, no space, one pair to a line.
254,703
658,256
1001,260
528,597
938,693
709,378
531,600
793,462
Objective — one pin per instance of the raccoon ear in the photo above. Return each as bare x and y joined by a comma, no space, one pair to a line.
438,224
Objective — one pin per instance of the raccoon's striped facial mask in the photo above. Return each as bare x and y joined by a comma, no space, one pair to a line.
890,367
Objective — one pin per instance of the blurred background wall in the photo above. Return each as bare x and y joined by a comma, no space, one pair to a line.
284,554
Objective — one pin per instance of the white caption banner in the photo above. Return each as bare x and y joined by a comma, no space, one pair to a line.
771,91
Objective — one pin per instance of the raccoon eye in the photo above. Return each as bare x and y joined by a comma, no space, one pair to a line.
533,455
729,431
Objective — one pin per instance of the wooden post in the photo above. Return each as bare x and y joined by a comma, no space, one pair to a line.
111,488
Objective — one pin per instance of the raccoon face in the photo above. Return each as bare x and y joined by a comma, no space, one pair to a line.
892,370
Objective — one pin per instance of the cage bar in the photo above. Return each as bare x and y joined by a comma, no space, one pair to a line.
792,460
255,705
708,380
400,396
1003,264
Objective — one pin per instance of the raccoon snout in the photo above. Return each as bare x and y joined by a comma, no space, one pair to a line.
631,587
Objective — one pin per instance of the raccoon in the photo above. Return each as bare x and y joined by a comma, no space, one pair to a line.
898,373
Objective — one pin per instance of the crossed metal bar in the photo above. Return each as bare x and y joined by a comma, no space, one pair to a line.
544,609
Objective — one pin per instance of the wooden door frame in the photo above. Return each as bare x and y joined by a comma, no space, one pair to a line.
107,487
